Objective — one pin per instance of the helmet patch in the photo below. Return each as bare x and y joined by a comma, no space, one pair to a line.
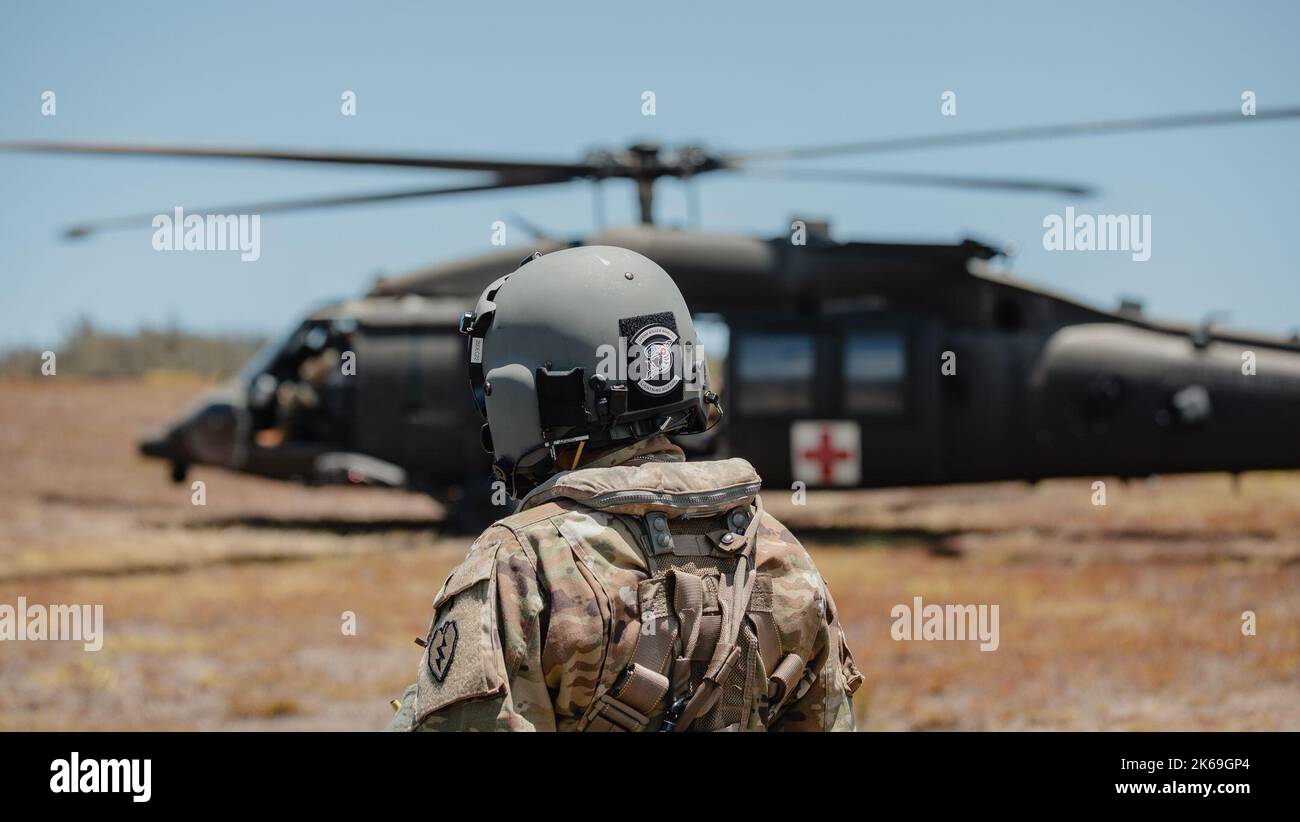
654,361
653,353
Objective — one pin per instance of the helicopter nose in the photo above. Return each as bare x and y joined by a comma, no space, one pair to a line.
166,442
210,433
159,446
167,446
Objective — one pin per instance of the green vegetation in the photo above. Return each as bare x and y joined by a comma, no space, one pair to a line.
91,352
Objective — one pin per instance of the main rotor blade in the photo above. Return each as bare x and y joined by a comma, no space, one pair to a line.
340,158
306,203
1009,135
528,226
922,179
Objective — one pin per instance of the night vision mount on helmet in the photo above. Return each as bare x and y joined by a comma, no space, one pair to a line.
585,347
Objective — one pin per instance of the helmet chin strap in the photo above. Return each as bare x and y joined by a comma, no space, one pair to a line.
509,471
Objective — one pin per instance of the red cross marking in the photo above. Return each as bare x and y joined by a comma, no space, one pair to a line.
826,455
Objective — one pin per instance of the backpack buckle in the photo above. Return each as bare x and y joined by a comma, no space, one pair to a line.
674,712
619,714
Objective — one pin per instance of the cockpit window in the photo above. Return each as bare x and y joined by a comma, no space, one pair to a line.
875,365
316,337
297,387
266,355
775,372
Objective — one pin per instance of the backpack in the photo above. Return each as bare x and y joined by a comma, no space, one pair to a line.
708,654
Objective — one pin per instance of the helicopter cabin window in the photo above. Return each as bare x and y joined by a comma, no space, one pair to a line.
776,373
874,371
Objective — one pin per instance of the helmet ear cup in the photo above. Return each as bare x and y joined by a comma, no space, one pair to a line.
512,410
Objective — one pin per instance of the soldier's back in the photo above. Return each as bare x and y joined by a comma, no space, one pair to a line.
631,597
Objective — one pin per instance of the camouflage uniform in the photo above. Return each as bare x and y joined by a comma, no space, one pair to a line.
536,628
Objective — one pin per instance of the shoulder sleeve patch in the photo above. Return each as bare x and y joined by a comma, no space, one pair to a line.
462,660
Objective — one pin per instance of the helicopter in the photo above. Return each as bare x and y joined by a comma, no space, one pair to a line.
847,364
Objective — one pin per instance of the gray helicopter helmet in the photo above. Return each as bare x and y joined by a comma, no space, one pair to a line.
591,345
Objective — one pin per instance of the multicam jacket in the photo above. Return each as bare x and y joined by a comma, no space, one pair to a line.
640,592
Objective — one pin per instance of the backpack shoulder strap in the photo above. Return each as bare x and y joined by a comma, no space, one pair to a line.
733,598
673,603
673,618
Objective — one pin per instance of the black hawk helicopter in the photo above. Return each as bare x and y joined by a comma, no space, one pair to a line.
849,364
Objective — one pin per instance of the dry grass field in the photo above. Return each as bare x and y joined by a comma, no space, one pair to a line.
228,616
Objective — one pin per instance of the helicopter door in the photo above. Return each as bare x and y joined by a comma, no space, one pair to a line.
779,373
404,409
884,388
836,401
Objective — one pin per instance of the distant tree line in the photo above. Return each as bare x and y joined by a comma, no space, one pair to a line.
91,352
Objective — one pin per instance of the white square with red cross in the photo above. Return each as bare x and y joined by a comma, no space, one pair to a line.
826,452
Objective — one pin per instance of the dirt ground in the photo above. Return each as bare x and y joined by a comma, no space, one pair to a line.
229,615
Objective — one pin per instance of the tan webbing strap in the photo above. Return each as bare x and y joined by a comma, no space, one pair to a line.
782,683
629,705
765,627
633,700
769,638
687,602
733,599
710,631
687,592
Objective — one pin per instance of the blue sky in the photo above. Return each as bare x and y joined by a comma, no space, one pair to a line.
521,79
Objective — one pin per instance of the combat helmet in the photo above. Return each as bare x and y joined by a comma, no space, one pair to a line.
585,347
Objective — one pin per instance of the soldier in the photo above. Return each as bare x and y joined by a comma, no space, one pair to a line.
630,590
